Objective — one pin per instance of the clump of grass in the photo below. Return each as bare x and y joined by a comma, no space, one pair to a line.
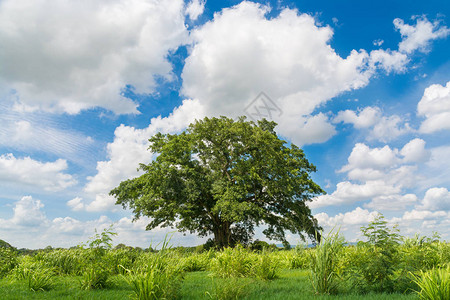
94,278
324,261
228,289
197,261
434,284
233,262
266,266
36,276
159,278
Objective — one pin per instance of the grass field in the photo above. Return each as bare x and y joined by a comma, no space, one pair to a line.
292,284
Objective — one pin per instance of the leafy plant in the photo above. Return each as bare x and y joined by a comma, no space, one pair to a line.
434,284
324,261
8,260
375,263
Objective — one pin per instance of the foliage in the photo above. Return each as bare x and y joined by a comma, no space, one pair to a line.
375,262
8,260
434,284
223,177
324,262
37,276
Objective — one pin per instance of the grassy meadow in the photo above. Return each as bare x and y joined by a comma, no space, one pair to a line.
386,266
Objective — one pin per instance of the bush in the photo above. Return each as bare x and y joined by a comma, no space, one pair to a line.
375,263
434,284
8,260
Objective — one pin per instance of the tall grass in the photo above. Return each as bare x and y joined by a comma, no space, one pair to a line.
434,284
324,261
159,277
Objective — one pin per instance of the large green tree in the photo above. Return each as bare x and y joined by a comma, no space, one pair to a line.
224,177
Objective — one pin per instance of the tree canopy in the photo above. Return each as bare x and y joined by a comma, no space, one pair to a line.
224,177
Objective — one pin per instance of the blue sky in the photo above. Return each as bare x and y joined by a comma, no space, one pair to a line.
363,87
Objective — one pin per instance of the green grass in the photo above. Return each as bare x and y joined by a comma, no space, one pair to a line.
292,284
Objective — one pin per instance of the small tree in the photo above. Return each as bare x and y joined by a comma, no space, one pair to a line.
224,177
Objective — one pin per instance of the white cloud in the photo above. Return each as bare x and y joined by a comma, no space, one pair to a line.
435,107
76,204
392,202
363,119
195,8
30,228
419,36
436,199
423,215
241,53
363,157
129,149
390,61
381,128
347,193
414,151
382,175
27,132
27,212
25,171
68,56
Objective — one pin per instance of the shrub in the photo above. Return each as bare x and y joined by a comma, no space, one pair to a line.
375,263
324,261
8,260
434,284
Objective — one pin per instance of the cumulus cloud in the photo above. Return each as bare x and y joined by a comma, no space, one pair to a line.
358,216
380,175
419,36
30,227
128,150
25,171
27,212
79,55
381,128
365,118
195,8
414,151
435,107
241,53
436,199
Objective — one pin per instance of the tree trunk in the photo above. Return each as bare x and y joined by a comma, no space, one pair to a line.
222,234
